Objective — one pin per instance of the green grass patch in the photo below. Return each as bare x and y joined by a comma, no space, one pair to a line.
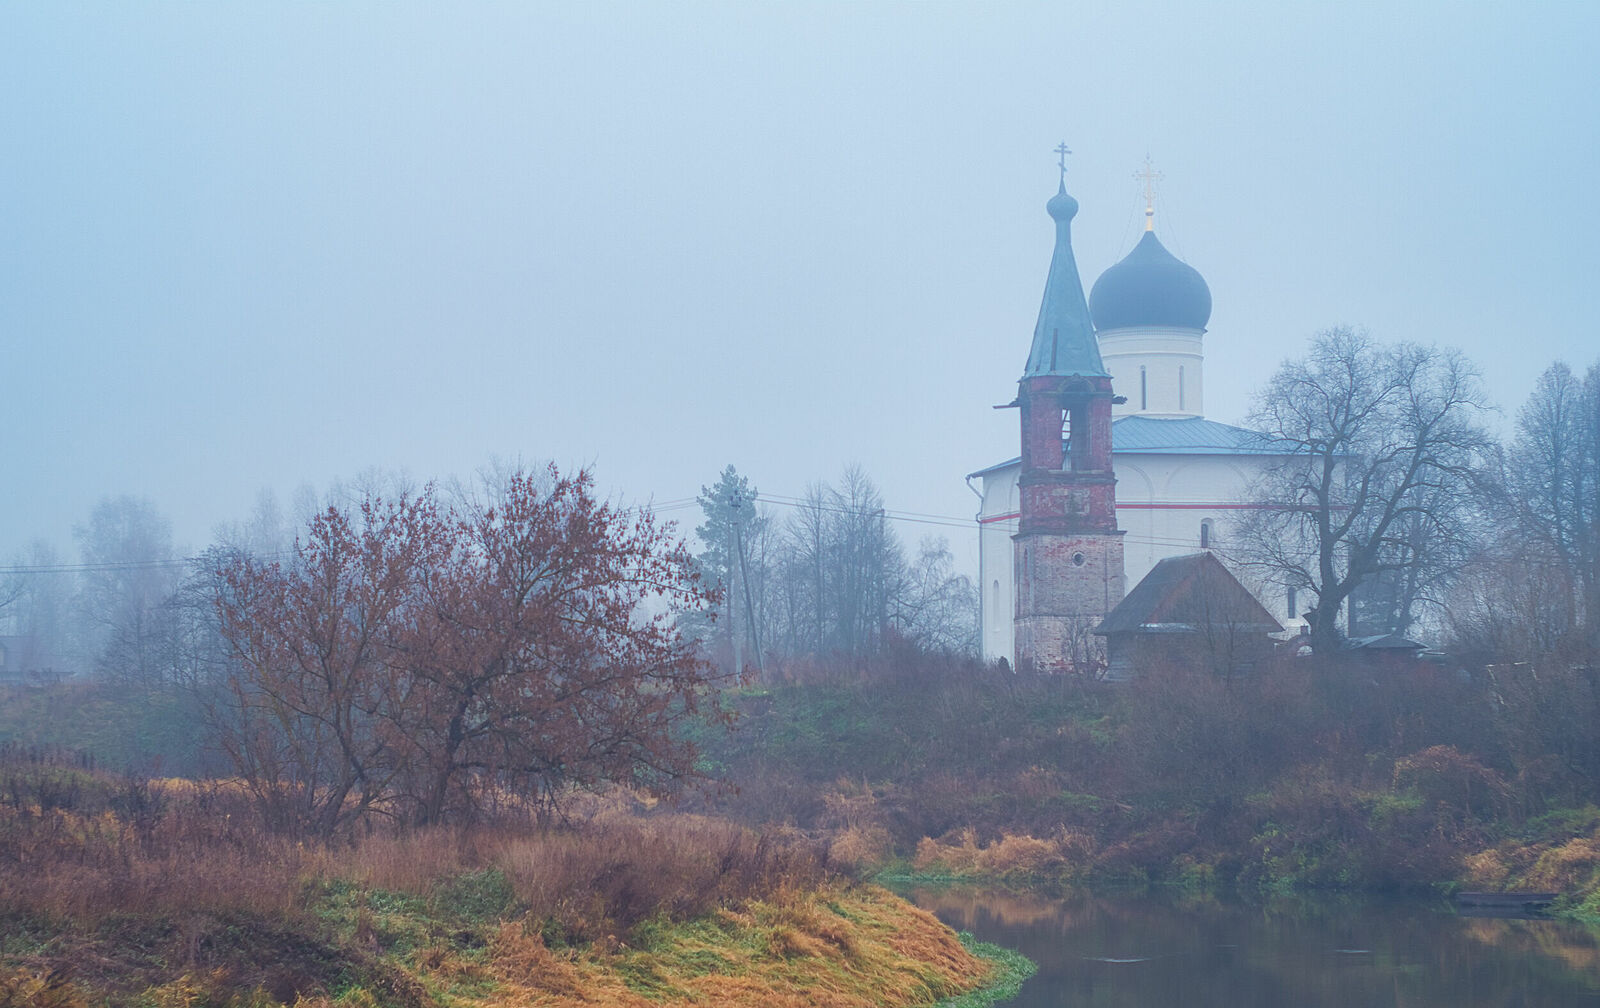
1011,968
476,897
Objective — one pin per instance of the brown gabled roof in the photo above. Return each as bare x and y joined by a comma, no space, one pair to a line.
1186,594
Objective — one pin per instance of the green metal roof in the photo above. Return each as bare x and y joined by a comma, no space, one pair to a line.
1063,340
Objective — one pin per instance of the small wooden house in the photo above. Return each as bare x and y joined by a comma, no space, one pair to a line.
1188,613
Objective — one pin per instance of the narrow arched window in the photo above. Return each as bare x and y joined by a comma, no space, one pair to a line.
1067,445
1144,389
1205,534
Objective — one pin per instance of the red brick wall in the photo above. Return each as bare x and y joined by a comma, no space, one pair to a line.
1068,550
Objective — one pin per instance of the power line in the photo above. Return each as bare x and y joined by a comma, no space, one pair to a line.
678,504
93,568
912,517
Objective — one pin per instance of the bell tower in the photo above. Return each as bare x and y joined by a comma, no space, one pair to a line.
1068,556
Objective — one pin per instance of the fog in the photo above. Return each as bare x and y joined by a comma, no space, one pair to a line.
252,246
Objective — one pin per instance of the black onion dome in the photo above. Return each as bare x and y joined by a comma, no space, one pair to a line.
1150,287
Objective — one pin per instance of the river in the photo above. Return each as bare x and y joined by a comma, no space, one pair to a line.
1166,951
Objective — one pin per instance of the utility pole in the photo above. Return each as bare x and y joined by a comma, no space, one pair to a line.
734,572
744,580
883,579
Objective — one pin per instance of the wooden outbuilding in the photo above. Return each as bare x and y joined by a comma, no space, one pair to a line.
1189,613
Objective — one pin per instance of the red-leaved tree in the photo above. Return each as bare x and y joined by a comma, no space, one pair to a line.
312,642
423,661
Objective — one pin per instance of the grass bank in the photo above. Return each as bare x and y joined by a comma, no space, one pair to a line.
839,946
157,893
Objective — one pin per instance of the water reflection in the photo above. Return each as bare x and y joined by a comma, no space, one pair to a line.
1154,951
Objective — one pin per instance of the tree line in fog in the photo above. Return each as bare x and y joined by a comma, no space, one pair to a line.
1395,507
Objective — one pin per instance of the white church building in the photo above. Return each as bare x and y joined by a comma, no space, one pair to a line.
1181,480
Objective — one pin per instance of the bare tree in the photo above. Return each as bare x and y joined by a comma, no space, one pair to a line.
12,588
842,569
1382,450
131,574
1514,604
937,608
39,598
866,564
807,568
1550,489
832,579
265,534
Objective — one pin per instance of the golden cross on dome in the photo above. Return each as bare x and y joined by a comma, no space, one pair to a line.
1061,159
1149,176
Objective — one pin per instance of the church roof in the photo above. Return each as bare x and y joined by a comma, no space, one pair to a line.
1138,435
1187,436
1150,287
1187,594
1063,340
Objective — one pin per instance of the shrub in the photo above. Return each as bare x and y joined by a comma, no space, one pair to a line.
1446,776
860,848
1566,868
1067,854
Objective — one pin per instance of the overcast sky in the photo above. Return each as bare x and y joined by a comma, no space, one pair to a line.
248,246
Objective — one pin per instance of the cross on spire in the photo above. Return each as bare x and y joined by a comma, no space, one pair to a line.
1149,176
1061,160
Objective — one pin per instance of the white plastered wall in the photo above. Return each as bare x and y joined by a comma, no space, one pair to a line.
1162,501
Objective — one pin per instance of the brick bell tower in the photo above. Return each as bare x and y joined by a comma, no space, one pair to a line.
1068,549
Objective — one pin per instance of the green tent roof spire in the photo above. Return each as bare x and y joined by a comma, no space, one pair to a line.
1064,341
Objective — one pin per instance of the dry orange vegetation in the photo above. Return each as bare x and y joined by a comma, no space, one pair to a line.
845,947
853,947
1561,855
1065,855
122,892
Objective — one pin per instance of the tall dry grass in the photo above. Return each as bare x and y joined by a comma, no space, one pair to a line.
618,870
113,849
155,890
95,845
1067,854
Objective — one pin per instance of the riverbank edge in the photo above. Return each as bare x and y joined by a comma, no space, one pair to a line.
841,945
1580,908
